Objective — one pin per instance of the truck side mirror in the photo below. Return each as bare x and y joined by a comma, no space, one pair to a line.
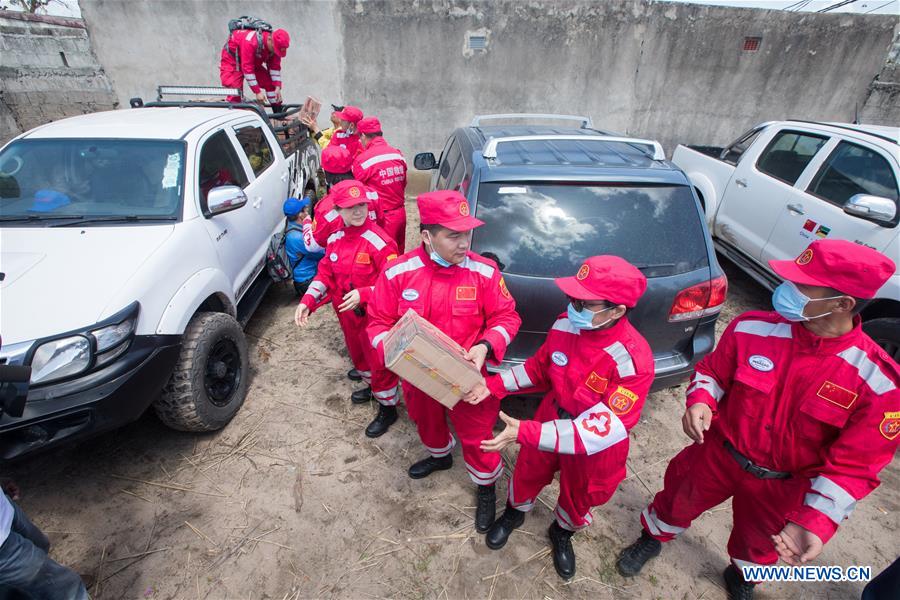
425,161
223,199
880,211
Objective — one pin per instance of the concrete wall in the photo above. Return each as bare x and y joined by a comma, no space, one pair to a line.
47,72
675,72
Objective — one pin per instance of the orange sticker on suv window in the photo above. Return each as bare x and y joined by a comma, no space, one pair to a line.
837,395
622,400
363,258
466,293
596,383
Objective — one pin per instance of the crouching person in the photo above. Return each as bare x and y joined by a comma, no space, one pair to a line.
596,370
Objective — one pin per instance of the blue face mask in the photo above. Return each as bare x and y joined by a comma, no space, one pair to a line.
585,318
790,302
440,259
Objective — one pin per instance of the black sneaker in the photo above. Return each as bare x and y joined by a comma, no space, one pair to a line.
563,553
361,396
353,375
631,559
485,508
427,466
503,527
738,589
387,416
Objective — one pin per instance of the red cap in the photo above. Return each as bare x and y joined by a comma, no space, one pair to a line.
349,192
368,125
849,268
336,159
607,278
447,208
350,114
281,40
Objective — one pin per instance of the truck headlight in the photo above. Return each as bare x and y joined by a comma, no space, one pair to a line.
60,358
112,340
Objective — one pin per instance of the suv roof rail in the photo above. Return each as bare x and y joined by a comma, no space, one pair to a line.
490,148
854,127
586,122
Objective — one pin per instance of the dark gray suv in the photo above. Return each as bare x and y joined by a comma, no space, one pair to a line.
552,196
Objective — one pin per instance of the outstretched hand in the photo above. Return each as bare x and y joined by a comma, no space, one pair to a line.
506,437
797,545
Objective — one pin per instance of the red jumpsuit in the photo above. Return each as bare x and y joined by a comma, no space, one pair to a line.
825,410
383,168
470,303
353,260
596,382
327,220
350,141
261,68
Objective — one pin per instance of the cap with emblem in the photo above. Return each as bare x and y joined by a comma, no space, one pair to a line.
850,268
349,192
350,114
336,159
281,40
607,278
369,125
447,208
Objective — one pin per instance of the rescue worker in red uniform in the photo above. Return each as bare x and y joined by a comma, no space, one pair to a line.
793,416
383,168
327,220
596,371
346,135
465,296
255,56
354,258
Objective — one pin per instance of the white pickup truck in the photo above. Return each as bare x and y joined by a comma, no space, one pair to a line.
134,249
784,184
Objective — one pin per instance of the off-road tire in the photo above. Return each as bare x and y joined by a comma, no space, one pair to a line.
185,403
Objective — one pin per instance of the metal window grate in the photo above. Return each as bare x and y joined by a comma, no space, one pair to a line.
476,42
751,44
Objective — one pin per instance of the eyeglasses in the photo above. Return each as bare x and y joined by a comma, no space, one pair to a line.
594,305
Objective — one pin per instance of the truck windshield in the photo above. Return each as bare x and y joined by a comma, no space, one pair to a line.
52,179
547,230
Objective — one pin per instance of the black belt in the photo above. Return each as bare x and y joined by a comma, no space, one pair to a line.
754,469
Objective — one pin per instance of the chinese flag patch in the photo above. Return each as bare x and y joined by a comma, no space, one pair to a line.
810,225
466,293
890,425
837,395
363,258
622,400
596,383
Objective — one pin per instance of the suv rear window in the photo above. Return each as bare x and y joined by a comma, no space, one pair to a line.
547,230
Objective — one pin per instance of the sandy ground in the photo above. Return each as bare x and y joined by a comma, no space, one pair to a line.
291,500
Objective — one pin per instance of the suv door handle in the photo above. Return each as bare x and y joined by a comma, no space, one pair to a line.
741,182
258,202
797,208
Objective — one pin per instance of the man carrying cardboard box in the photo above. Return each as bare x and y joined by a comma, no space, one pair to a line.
464,296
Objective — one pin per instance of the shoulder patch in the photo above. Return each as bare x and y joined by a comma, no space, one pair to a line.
503,289
622,400
890,425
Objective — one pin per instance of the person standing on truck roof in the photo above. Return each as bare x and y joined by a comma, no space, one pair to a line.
303,261
383,168
465,296
346,135
596,370
323,136
793,416
355,257
255,56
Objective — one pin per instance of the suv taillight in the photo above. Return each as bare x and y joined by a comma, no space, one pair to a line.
699,300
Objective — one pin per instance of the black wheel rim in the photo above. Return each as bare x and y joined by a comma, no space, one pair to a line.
223,372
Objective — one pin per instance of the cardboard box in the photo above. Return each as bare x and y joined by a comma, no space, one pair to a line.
426,357
311,108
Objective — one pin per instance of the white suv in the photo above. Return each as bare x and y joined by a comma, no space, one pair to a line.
133,251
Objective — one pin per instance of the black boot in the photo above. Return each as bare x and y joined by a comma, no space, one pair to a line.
426,467
387,416
631,559
738,589
361,396
353,375
563,553
485,508
503,527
